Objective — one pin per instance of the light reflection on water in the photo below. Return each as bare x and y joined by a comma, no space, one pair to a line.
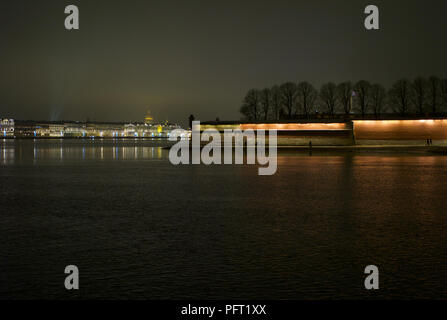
139,227
44,150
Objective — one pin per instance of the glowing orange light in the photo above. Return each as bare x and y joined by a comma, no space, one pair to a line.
294,126
418,129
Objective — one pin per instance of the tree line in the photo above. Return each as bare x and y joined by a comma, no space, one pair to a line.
421,96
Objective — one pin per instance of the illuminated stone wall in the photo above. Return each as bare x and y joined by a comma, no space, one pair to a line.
298,134
360,132
400,132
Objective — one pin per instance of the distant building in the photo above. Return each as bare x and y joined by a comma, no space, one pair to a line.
104,130
76,129
24,128
7,127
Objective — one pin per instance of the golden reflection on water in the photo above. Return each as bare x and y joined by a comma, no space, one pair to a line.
11,152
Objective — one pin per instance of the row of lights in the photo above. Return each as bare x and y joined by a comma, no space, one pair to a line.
430,121
101,134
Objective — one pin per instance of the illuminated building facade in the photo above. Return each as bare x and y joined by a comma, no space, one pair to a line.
74,129
7,127
52,130
25,129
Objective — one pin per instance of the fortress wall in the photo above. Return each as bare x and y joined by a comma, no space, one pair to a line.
400,132
360,132
329,126
298,134
316,141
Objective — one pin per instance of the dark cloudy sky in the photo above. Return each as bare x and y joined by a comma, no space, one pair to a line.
200,57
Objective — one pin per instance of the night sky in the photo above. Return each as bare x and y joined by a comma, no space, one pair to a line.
181,57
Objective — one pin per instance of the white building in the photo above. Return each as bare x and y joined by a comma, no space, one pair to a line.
7,127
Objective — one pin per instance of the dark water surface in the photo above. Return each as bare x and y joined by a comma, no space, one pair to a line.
139,227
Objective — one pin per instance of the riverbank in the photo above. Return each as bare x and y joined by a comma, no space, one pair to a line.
370,149
359,149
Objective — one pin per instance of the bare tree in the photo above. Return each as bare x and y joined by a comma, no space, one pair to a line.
288,97
434,92
419,94
362,91
400,96
344,94
378,96
266,98
444,91
306,97
328,95
251,105
276,101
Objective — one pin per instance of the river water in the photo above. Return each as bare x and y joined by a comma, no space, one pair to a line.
138,227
